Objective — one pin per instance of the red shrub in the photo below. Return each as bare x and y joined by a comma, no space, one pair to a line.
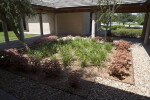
74,79
6,56
44,39
51,68
19,63
34,64
108,39
69,37
99,38
121,63
11,58
122,45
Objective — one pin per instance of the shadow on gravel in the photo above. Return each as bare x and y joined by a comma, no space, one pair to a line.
103,92
147,48
97,91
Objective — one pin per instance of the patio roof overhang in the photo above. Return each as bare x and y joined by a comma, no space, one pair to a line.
124,8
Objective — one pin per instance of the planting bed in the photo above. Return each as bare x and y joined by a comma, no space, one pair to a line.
71,63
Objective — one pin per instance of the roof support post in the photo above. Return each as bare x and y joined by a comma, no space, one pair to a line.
56,31
93,25
110,23
21,27
5,29
147,32
41,24
144,26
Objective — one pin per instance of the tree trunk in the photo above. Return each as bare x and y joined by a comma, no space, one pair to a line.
21,40
105,38
14,29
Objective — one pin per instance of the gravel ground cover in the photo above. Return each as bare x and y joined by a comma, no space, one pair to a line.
103,89
141,89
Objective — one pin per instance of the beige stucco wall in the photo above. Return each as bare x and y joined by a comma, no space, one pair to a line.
67,23
72,23
33,24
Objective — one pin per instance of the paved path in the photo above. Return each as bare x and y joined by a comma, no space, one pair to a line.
6,96
16,43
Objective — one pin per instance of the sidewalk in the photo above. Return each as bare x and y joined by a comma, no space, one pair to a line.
6,96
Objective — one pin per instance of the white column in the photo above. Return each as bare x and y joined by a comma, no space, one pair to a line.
56,32
147,31
93,25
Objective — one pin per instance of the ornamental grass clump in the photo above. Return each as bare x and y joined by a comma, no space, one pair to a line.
108,46
46,49
51,68
66,56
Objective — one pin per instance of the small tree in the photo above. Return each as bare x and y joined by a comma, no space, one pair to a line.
11,11
126,17
107,10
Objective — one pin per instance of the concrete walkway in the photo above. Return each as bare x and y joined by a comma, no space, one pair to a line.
6,96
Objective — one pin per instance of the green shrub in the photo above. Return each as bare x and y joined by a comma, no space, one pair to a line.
114,27
134,33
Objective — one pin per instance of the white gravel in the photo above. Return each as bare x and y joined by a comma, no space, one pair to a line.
141,64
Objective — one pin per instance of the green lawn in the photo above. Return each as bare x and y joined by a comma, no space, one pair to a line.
12,36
